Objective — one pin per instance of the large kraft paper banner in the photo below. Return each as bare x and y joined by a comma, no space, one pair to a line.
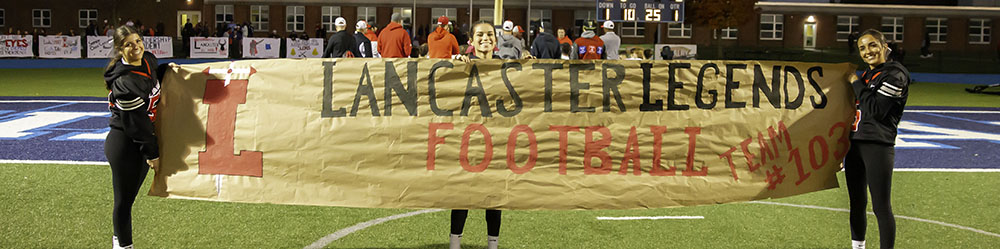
506,134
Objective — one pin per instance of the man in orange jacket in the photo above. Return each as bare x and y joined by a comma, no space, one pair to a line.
394,42
441,43
561,34
589,46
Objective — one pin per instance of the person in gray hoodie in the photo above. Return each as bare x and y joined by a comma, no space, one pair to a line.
611,41
545,46
510,47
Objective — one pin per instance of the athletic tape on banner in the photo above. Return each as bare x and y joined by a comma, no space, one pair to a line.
507,134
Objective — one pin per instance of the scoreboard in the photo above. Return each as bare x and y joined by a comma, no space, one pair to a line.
670,11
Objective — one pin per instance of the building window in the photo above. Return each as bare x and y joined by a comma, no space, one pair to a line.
937,29
87,16
407,14
486,15
330,14
295,18
451,13
632,29
367,14
845,26
979,31
223,14
41,18
2,18
729,33
538,16
260,17
678,30
892,28
772,26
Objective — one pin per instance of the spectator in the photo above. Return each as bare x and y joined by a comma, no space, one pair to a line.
666,53
510,46
186,34
341,43
92,29
394,42
563,39
364,45
545,46
589,46
274,34
442,44
925,49
370,32
852,40
72,32
636,54
248,30
611,41
320,31
567,50
109,30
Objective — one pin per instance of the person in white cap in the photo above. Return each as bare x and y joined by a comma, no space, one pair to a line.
510,46
341,43
361,41
611,41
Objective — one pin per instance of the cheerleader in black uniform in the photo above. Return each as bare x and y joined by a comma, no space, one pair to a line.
881,95
132,79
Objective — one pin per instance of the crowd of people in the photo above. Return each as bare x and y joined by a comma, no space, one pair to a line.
394,41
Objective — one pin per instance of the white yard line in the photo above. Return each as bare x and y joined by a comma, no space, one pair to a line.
871,213
953,111
54,101
652,218
357,227
53,162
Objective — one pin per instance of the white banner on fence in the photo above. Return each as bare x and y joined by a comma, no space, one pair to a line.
209,47
299,48
261,47
59,47
160,46
16,46
99,46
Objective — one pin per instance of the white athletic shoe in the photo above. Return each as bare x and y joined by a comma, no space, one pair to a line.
114,242
855,244
129,247
492,242
455,241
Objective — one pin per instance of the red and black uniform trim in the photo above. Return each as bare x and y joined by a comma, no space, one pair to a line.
881,94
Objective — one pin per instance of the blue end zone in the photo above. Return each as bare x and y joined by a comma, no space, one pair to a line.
74,128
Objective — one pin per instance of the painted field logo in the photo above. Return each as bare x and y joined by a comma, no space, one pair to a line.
222,97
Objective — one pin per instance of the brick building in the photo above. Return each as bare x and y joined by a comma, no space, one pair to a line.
780,24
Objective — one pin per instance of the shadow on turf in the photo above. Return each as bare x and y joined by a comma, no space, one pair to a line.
428,246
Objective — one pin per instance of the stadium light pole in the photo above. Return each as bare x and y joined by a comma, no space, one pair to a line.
497,12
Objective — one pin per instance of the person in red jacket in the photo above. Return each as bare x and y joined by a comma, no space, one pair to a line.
563,38
589,46
441,43
394,42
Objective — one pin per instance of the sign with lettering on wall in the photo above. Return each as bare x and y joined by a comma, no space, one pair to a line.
209,47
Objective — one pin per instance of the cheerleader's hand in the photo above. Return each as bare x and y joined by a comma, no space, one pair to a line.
852,78
155,164
174,66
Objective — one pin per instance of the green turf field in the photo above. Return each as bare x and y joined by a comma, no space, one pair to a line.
89,82
69,206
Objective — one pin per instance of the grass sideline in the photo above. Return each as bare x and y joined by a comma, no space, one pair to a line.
69,206
89,82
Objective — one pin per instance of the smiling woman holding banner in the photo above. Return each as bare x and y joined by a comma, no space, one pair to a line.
881,95
132,78
484,41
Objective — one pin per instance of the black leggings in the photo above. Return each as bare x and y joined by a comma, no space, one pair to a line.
870,164
492,221
128,170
